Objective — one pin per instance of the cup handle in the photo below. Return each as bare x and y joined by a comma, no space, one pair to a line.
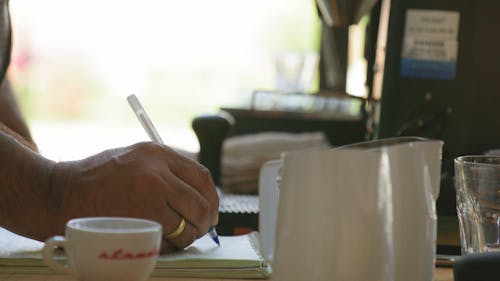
48,254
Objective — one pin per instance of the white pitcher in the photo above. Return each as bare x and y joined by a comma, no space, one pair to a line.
359,212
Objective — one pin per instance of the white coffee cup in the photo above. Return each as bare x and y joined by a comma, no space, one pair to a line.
107,249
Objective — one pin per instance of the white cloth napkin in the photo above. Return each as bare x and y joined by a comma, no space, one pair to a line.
244,155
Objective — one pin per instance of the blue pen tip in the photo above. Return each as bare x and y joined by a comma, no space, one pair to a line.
216,239
213,235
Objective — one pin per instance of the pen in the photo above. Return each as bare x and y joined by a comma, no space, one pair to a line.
146,123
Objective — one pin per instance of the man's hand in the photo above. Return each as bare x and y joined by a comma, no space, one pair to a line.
145,180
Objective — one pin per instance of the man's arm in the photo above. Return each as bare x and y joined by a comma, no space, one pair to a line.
10,115
24,183
24,174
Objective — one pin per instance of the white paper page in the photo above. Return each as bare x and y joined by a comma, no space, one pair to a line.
231,248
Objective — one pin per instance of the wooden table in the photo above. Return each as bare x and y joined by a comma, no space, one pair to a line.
441,274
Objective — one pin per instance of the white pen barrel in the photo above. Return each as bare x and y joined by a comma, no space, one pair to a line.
146,123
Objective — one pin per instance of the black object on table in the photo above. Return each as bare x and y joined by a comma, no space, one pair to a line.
477,267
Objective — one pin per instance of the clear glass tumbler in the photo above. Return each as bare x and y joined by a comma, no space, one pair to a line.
477,184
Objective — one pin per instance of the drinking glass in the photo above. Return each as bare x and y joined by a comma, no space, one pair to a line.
477,184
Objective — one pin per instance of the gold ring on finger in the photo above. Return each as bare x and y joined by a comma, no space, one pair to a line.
178,231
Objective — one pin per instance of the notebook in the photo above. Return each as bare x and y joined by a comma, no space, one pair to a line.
237,257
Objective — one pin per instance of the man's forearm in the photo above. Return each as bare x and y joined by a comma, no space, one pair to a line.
24,187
